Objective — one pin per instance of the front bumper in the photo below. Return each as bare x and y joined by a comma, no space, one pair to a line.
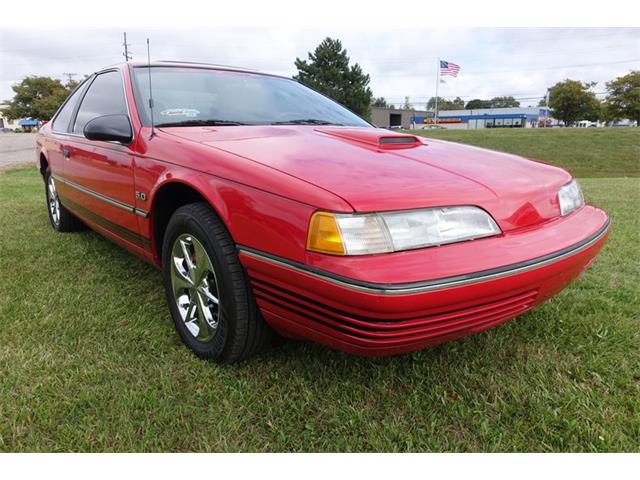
374,318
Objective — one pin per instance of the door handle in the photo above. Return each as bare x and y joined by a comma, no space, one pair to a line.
66,153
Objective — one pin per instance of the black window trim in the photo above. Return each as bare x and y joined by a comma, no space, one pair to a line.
91,79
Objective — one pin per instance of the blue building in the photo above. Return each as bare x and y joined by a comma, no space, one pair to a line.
515,117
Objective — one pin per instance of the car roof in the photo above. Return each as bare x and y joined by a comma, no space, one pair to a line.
185,64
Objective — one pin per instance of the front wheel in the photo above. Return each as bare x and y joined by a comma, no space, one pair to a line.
207,289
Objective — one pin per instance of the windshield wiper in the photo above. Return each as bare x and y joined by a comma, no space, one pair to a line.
210,122
306,121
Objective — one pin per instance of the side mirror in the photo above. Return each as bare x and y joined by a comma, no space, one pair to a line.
109,128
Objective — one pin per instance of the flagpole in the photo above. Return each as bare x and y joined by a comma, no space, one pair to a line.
437,84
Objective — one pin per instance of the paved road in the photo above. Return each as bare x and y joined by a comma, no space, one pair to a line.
17,149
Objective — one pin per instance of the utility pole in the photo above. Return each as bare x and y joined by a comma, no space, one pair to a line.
127,56
70,76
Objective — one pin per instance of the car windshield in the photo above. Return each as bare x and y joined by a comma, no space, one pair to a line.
185,96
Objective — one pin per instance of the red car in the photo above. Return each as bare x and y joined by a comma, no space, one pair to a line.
270,207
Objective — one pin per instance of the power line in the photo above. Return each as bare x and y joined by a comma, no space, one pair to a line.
490,72
456,57
579,34
515,97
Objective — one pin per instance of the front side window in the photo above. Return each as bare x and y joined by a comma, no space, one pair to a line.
200,96
61,121
104,97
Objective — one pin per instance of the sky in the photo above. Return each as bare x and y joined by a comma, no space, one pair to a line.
521,62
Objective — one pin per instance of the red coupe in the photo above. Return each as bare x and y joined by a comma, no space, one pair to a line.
270,207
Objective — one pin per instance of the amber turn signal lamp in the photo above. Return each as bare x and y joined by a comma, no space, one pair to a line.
324,235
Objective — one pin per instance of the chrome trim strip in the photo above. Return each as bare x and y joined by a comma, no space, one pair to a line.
104,198
430,285
122,232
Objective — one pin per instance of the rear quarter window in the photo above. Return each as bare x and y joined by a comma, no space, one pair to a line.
61,121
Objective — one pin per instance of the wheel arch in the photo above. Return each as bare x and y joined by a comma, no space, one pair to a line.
43,163
168,198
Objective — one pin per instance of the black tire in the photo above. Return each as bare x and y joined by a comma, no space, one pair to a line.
240,331
63,220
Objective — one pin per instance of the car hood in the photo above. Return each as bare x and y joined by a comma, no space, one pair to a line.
378,170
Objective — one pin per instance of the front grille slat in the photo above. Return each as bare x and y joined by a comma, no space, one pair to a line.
422,332
472,318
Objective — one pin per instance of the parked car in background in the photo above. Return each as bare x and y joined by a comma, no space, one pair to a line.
586,124
432,127
270,207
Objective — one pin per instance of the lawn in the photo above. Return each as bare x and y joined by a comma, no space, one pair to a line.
585,152
89,360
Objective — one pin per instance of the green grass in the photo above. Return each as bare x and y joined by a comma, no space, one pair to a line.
89,361
585,152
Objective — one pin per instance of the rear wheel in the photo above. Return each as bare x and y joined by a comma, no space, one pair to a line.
207,289
61,219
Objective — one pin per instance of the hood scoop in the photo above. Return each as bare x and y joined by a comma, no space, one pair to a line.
375,138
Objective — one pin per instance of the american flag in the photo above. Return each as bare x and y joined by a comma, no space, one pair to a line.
449,68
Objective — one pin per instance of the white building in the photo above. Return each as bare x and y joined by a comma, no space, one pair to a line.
5,122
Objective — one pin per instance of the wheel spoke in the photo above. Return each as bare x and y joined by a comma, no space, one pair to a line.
210,296
202,261
188,312
180,273
205,319
191,266
192,310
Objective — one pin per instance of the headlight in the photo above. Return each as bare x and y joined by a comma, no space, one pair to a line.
570,197
361,234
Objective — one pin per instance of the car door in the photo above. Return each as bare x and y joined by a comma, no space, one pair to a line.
99,179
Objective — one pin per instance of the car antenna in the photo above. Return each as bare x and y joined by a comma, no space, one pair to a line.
153,132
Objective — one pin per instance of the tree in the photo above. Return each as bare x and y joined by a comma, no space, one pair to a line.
328,72
36,97
444,104
72,84
477,103
495,102
504,102
456,104
380,102
571,101
407,104
623,99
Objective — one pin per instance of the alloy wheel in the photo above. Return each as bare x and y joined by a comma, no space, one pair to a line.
54,202
195,288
